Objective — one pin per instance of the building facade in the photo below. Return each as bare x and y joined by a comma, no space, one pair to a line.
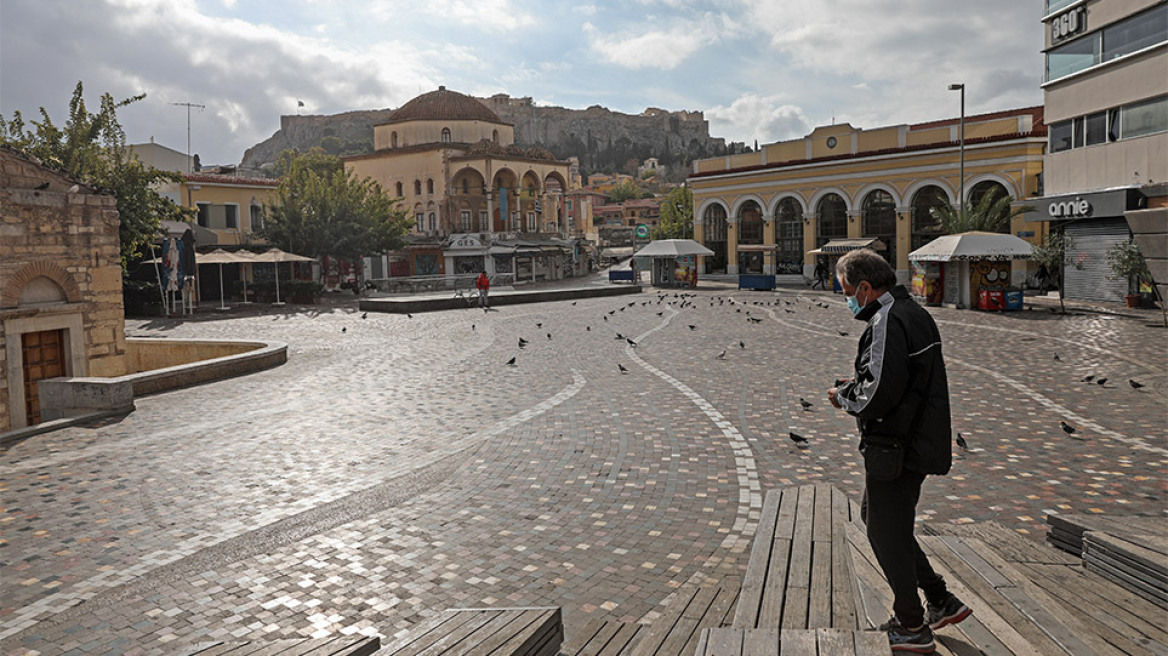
762,212
1106,169
60,285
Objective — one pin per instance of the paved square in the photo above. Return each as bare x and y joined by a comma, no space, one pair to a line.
401,468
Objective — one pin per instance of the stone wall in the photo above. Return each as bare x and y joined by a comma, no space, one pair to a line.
52,229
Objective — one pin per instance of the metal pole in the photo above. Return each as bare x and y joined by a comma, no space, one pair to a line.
961,181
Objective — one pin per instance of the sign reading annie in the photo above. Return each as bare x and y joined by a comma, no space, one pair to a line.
1066,209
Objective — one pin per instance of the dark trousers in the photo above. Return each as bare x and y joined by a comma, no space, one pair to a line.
889,510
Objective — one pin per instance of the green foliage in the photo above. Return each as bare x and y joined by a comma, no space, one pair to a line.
1127,262
626,190
676,220
319,209
92,148
992,213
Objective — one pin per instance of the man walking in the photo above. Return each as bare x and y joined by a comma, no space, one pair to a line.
900,398
483,283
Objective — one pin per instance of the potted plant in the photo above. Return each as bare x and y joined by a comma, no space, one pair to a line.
1127,263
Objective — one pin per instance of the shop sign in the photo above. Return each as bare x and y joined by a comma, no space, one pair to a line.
1068,24
642,231
1070,209
1089,205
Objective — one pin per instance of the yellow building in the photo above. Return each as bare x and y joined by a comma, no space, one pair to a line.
762,212
229,206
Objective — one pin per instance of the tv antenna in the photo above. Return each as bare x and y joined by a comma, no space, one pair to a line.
188,106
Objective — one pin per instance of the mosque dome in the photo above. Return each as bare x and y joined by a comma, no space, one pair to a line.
443,105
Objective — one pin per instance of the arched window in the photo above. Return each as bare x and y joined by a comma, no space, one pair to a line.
445,135
429,185
749,232
433,222
789,236
495,136
714,221
831,214
991,192
398,188
879,220
417,187
925,227
393,139
465,186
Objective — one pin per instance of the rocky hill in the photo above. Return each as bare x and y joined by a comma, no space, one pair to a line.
603,140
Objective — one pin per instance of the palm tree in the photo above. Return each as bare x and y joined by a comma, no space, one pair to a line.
991,213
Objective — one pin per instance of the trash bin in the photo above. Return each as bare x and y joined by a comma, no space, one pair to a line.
991,299
1014,300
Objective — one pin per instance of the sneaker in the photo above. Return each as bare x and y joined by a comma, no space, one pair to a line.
950,612
902,639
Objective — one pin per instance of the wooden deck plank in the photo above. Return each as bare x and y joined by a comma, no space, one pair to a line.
774,594
799,571
498,629
542,636
761,642
870,643
682,629
821,523
713,615
425,633
873,598
788,506
482,625
724,641
960,547
1008,543
798,643
750,599
835,641
591,638
651,638
819,603
843,603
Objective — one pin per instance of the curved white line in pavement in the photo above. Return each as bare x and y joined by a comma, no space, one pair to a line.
26,617
1134,442
749,488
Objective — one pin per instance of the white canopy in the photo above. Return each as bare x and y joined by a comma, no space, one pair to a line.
277,255
673,248
973,246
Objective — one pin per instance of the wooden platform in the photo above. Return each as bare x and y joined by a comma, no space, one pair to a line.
1066,531
334,646
483,632
796,642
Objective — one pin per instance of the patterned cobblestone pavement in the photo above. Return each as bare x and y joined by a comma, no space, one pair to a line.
399,468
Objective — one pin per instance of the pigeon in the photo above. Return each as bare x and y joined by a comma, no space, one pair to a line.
805,403
1067,428
1087,379
344,329
741,344
539,325
588,328
754,320
472,327
722,355
622,310
962,443
42,186
409,316
364,315
692,327
1101,381
631,342
619,336
549,337
1134,384
660,313
606,318
511,362
632,304
522,343
623,370
1056,357
573,302
797,438
842,333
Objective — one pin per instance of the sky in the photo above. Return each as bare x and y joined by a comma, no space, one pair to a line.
763,70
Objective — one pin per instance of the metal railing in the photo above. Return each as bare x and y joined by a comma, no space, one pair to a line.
428,284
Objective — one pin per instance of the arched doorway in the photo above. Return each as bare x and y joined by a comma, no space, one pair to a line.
789,236
925,227
831,214
879,221
506,201
714,222
750,227
990,192
468,191
529,192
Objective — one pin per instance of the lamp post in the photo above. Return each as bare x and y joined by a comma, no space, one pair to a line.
961,180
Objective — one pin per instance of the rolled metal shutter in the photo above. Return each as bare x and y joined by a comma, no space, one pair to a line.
1094,281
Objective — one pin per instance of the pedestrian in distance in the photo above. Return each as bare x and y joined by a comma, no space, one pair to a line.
820,274
483,283
900,398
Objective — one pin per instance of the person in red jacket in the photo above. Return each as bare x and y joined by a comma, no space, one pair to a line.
484,286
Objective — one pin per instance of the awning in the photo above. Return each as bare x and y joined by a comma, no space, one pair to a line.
673,248
501,250
973,246
617,253
841,246
753,248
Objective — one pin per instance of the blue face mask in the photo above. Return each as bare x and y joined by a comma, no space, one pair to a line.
854,305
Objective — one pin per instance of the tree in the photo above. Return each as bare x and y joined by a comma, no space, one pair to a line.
676,220
1054,254
992,213
322,210
626,190
92,148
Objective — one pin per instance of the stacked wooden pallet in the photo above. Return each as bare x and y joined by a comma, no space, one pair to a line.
1139,564
1066,531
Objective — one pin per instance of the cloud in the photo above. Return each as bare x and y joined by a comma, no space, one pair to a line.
662,49
492,15
766,118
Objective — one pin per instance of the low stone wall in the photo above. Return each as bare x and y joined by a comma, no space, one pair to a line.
402,305
153,354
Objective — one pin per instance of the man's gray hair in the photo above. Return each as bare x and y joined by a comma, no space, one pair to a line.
865,264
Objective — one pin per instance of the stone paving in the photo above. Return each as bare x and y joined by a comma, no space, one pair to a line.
400,468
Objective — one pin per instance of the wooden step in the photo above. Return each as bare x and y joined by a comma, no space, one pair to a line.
603,638
334,646
1066,531
483,632
797,576
733,641
1138,563
677,630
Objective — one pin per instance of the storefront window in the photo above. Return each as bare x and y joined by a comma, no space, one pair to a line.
789,236
832,216
879,220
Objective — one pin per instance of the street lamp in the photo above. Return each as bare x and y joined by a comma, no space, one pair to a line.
961,181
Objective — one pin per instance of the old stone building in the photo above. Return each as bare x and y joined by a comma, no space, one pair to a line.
60,285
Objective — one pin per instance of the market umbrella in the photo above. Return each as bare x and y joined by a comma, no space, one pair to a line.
973,246
221,257
276,256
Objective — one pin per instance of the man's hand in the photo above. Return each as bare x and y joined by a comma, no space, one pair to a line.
831,397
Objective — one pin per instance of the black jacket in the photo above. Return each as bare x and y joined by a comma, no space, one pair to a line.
900,369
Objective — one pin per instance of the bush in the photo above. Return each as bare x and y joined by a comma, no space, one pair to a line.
141,297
